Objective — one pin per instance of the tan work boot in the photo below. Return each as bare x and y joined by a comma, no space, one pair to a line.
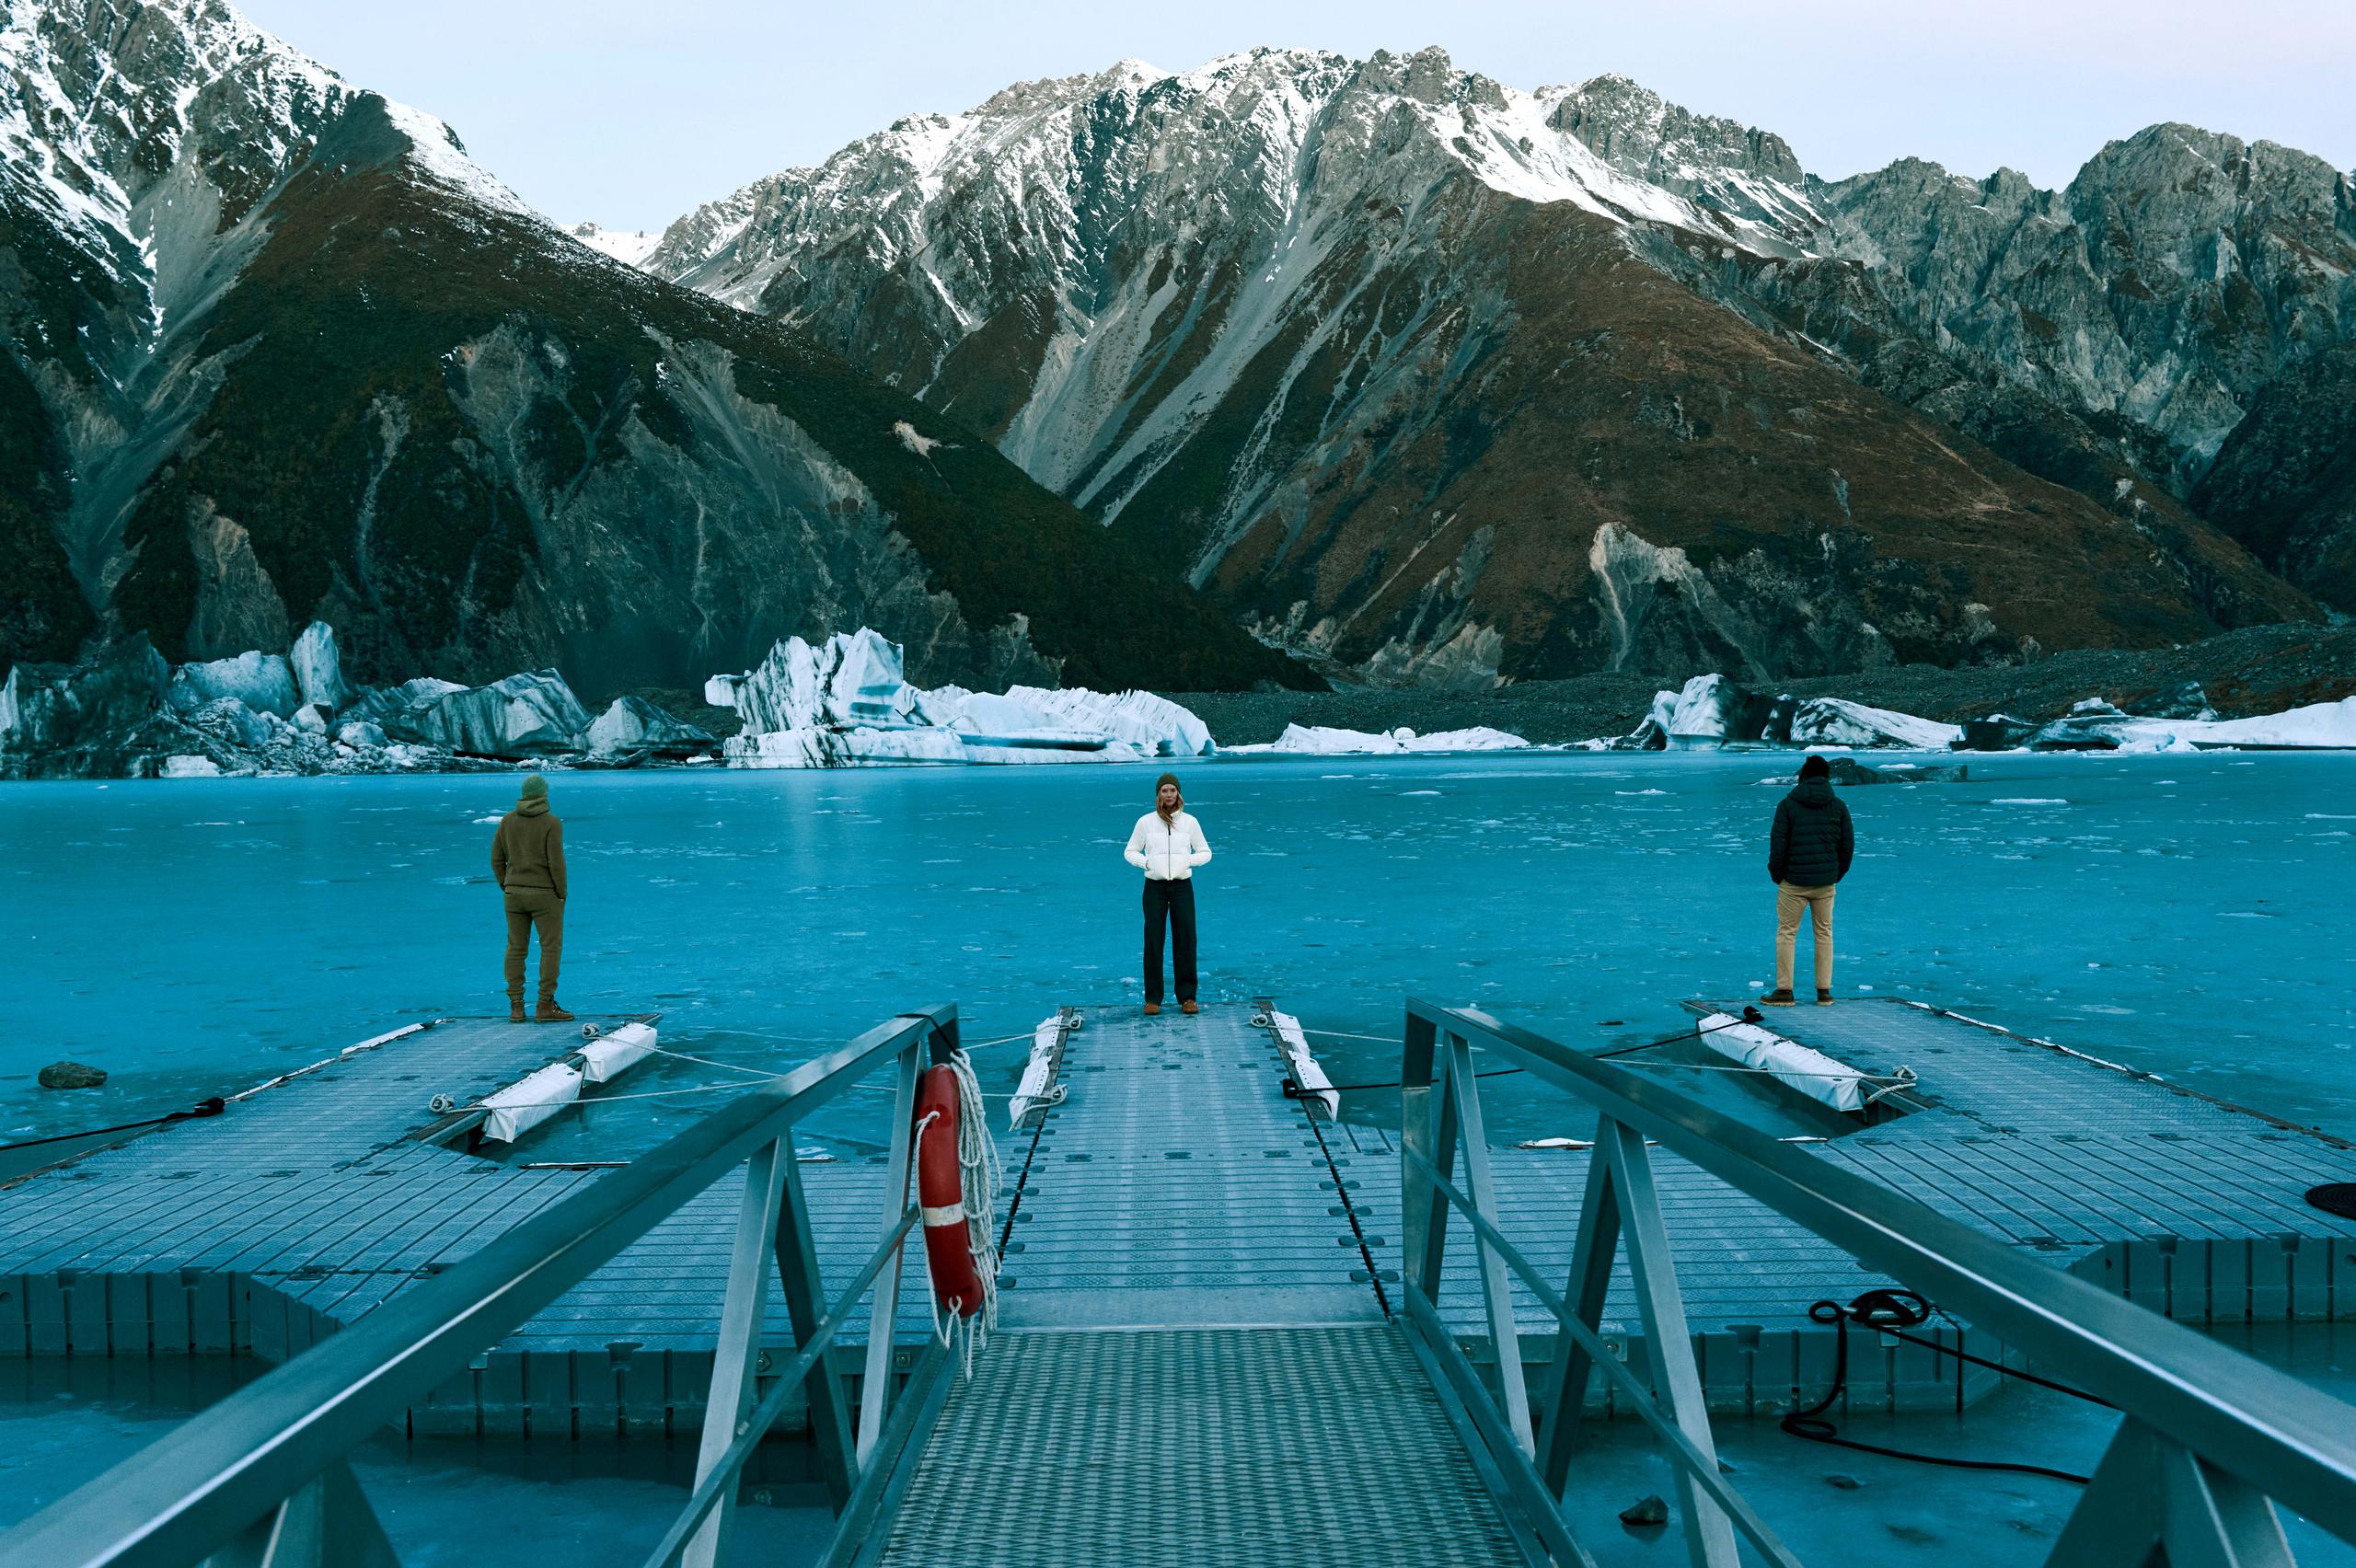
1188,1006
515,1013
1153,1010
551,1014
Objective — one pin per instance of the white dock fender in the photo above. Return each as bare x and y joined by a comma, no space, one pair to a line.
1315,1084
606,1056
529,1102
1038,1073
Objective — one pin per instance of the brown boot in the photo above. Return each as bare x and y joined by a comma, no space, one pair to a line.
550,1012
1188,1006
1778,998
1153,1010
515,1013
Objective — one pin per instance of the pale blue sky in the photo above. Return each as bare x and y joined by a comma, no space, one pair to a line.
631,112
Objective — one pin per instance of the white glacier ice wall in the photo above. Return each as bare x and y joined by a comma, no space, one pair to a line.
846,702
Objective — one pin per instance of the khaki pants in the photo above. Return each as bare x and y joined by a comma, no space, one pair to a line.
1789,902
527,907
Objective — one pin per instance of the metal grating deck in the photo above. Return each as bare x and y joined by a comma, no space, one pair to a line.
1285,1444
1178,1186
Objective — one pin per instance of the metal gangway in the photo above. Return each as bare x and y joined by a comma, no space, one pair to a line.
1172,1342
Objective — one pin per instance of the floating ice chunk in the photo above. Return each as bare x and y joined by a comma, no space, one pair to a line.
720,691
523,716
318,670
1314,739
263,682
632,724
1834,722
1154,725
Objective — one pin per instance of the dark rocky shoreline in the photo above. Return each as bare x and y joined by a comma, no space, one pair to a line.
2257,669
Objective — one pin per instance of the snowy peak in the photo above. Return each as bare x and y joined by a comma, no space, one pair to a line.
629,247
1246,137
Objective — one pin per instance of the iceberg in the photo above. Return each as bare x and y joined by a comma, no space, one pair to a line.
1834,722
846,703
1317,740
523,716
632,724
1154,725
318,671
1712,711
263,682
54,707
2094,725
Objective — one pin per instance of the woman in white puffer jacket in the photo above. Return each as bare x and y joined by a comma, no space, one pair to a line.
1167,845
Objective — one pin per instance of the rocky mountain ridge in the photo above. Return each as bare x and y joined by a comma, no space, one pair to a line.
278,351
1327,333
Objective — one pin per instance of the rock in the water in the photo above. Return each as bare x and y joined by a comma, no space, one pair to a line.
318,671
1848,771
634,725
1843,1482
55,707
263,682
523,716
70,1074
1645,1511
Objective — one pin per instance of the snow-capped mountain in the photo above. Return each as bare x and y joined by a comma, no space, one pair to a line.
278,351
1440,380
629,247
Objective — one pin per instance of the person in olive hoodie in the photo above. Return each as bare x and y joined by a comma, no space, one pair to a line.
527,861
1807,853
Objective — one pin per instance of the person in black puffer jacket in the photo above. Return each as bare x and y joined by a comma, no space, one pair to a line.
1808,852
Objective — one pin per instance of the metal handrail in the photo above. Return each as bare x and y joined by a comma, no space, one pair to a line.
1703,1468
2281,1438
199,1487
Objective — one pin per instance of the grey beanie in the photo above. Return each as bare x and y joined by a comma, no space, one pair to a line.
535,787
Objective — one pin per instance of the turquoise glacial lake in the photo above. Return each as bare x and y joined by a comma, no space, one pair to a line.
2190,916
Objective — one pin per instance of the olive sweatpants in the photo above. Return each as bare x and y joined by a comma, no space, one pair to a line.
527,907
1789,902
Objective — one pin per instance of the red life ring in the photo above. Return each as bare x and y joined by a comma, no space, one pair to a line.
940,1194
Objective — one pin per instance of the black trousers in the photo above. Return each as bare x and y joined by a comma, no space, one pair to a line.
1172,901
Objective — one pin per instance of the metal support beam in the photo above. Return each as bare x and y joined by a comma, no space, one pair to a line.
875,1387
1592,1249
1709,1538
327,1523
797,1267
1496,1293
736,1355
1416,1133
2155,1499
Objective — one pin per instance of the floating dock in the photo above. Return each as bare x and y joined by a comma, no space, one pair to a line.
1177,1196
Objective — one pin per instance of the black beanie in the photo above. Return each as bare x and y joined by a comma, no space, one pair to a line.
1816,767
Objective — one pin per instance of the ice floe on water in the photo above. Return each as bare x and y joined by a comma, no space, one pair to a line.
846,703
1315,740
